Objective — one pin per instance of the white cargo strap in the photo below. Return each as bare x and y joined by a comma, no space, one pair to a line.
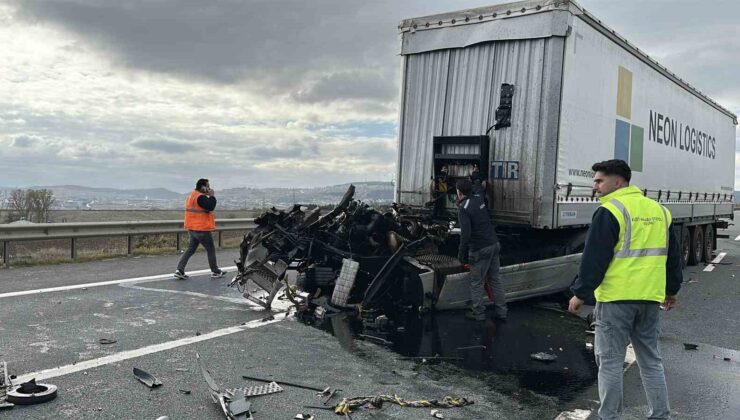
626,252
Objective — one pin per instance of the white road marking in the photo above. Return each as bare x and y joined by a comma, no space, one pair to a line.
104,283
130,354
716,260
719,258
241,301
576,414
737,238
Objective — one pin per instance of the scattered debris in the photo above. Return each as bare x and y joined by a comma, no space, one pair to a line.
295,385
255,391
425,359
268,318
197,333
146,378
32,393
331,395
234,406
471,348
543,357
436,414
689,346
589,346
349,404
182,370
163,418
5,385
304,416
727,359
184,391
107,341
376,340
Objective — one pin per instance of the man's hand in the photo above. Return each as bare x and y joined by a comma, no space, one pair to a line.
670,302
210,192
574,305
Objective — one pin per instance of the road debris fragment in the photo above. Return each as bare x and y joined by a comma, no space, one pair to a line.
32,393
146,378
302,416
233,405
107,341
347,405
184,391
436,414
690,346
543,357
295,385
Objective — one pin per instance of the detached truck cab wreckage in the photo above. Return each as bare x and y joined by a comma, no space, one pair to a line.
522,98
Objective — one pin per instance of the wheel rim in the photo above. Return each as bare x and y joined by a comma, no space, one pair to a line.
699,243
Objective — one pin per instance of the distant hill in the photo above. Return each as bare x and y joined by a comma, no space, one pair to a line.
81,197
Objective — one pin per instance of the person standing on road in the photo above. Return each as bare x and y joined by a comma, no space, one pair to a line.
480,247
200,222
631,264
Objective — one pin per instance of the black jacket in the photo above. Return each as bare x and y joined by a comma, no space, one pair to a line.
603,236
476,228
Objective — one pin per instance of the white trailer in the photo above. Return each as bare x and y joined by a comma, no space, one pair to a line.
534,93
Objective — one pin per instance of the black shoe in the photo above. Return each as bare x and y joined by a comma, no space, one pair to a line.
180,275
218,274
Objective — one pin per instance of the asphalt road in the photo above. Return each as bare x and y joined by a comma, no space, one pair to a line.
160,323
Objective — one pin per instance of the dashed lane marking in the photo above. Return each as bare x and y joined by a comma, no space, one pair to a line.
104,283
716,260
130,354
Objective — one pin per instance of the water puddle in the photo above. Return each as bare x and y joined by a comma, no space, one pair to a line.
501,350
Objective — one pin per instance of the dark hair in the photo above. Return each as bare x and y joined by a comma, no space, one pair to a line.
614,167
201,183
464,186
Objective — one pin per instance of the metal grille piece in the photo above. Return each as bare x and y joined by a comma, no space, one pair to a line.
345,282
256,391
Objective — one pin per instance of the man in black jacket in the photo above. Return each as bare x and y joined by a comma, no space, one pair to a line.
480,247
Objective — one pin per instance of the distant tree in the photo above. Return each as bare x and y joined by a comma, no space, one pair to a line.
31,205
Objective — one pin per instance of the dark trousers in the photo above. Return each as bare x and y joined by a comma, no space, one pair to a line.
199,238
484,267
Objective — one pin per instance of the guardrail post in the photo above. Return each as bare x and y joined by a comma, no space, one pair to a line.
73,246
130,245
179,248
6,254
220,239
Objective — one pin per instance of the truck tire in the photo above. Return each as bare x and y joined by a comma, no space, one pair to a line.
697,245
708,243
685,237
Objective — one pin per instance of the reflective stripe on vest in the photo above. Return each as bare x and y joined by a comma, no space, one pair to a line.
638,269
626,252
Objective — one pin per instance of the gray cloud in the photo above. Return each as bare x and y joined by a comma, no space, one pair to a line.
23,142
165,146
353,84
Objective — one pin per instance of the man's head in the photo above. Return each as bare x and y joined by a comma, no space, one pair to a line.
202,185
464,188
611,175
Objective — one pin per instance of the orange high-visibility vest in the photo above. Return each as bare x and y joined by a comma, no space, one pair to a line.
196,217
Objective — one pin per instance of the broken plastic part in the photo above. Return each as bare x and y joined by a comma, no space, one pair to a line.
107,341
146,378
32,393
543,357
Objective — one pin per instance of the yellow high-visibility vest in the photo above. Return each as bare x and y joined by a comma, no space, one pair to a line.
638,269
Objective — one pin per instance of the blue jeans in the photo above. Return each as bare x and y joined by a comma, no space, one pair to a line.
199,238
616,325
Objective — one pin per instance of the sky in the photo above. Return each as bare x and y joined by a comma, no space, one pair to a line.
257,93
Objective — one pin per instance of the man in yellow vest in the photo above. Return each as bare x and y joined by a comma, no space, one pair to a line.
631,264
200,222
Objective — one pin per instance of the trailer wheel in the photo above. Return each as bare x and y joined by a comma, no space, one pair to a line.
685,246
708,243
697,245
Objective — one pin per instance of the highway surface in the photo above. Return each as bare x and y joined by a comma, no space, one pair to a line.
53,317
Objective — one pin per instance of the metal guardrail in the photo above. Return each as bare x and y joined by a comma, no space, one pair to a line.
73,231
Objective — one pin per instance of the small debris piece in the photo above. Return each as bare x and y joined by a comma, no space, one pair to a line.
107,341
689,346
185,391
471,348
197,333
589,346
726,359
182,370
255,391
302,416
146,378
437,414
268,318
348,404
163,418
32,393
543,357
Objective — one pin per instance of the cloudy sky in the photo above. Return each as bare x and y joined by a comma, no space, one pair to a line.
155,93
